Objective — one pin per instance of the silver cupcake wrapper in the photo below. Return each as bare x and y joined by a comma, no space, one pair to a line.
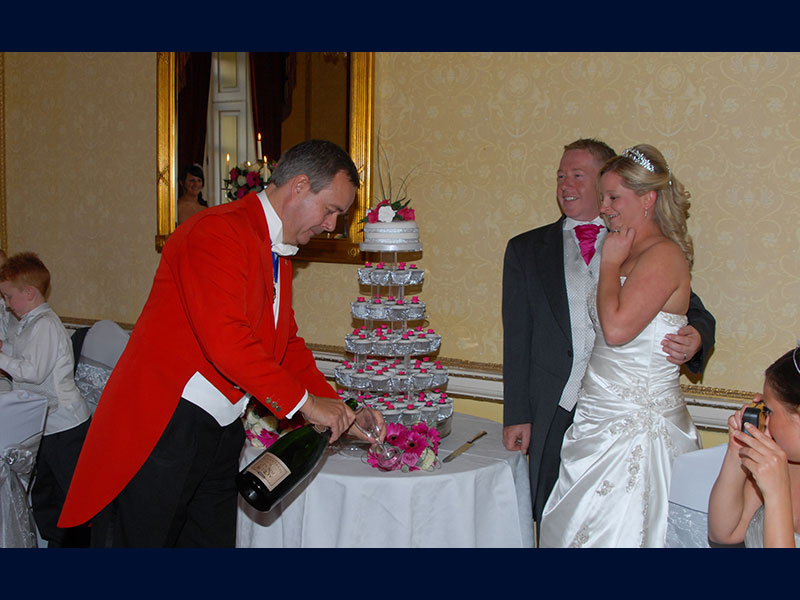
409,347
390,383
388,312
385,277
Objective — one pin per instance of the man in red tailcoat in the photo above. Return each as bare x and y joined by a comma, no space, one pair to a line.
159,462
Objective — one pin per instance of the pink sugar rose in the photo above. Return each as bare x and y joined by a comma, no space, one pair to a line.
407,214
372,216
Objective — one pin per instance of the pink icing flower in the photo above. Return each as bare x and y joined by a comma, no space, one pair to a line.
372,216
407,214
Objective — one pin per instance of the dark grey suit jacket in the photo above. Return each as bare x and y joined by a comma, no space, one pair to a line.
537,346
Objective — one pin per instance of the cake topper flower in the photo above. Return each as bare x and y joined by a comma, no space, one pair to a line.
393,204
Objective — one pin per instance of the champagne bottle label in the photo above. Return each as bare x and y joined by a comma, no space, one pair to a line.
270,469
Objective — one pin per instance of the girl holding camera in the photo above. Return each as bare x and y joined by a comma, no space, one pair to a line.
756,497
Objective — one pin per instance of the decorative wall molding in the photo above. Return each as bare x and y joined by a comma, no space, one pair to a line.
709,407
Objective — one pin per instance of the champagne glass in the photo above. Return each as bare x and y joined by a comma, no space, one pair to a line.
387,456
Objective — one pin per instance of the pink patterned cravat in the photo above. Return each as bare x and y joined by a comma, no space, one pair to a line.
587,234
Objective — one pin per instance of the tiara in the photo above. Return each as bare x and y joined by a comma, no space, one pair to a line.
639,158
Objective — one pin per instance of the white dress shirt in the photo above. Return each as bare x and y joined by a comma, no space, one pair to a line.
38,357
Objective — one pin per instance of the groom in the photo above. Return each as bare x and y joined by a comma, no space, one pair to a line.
547,333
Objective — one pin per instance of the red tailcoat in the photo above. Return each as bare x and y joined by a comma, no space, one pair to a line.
209,311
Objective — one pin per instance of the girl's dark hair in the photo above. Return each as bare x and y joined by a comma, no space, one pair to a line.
783,376
197,171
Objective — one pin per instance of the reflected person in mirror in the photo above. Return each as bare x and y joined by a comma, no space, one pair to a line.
159,464
190,200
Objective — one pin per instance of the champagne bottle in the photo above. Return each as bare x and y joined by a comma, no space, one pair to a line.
282,466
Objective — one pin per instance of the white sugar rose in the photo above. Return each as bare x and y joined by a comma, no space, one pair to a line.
386,214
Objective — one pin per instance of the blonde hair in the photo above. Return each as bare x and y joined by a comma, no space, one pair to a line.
644,169
24,269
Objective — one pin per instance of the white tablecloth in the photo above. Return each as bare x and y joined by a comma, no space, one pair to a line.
479,500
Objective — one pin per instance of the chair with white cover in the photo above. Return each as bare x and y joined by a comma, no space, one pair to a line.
693,476
22,419
100,350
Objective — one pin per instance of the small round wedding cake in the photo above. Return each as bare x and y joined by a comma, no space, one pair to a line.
394,236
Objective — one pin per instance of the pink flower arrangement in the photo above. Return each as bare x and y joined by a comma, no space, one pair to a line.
419,443
248,177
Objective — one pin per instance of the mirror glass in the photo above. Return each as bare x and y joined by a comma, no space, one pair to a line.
320,94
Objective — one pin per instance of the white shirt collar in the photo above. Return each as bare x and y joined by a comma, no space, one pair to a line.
570,223
275,228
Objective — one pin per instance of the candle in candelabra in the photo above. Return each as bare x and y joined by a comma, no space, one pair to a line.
259,144
228,163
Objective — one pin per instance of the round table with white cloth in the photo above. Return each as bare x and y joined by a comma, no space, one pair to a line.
481,499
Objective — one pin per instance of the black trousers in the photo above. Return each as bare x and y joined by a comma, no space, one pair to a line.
55,464
551,462
185,493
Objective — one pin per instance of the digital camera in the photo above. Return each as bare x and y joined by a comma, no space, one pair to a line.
755,415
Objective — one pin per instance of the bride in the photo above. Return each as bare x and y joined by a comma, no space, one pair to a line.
631,420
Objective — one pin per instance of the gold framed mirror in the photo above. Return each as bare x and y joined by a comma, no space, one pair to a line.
360,134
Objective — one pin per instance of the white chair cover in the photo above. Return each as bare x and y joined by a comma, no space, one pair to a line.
693,476
102,347
22,418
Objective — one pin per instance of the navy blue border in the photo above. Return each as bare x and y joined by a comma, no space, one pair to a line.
388,572
418,26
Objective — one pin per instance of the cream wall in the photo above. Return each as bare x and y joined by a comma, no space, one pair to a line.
80,175
485,132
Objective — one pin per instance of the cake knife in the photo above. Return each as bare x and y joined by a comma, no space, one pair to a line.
463,447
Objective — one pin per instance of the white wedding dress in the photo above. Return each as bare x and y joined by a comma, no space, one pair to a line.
630,423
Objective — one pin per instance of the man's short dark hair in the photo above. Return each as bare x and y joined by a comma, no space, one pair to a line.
320,160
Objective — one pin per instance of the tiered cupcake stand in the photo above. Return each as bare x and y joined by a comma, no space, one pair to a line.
394,367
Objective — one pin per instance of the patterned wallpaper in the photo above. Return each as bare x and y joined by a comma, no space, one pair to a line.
80,175
485,133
